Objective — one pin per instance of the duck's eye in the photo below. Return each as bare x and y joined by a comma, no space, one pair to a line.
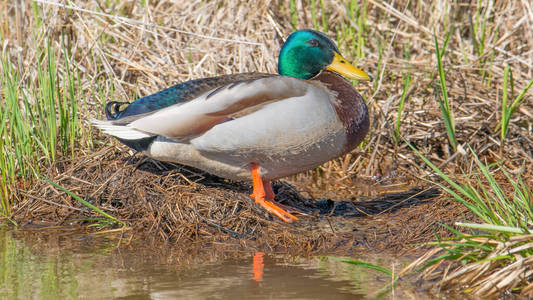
313,43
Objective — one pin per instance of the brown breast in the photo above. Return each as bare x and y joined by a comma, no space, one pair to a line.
350,107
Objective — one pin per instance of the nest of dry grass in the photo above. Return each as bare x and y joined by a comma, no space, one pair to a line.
184,206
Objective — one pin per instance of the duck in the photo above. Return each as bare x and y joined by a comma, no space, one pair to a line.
255,127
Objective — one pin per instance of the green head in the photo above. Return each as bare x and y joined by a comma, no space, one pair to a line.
309,52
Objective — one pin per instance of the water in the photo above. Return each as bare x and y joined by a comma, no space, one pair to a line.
65,265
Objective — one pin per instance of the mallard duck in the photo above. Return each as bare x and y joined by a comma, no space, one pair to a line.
253,125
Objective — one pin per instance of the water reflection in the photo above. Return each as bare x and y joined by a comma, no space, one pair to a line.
258,266
66,266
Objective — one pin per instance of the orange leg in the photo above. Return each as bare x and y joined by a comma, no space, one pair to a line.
269,193
259,195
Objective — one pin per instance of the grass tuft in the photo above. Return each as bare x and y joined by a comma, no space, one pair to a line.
494,254
39,117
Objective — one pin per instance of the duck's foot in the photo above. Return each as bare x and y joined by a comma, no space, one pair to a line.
265,197
270,197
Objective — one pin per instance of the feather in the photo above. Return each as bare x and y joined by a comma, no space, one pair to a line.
218,105
119,131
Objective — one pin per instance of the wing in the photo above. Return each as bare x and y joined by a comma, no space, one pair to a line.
177,94
202,113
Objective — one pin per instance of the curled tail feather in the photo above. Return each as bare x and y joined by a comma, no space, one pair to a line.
113,111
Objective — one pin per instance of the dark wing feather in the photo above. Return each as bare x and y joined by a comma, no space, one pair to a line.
179,93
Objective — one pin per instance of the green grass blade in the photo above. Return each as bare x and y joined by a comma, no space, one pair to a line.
504,121
294,14
406,85
520,99
491,227
443,99
79,199
363,264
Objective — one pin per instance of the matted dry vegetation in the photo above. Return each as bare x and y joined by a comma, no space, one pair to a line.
125,49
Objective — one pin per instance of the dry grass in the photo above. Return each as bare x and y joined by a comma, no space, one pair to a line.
145,49
124,49
180,205
486,278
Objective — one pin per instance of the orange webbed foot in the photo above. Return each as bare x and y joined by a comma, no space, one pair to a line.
264,196
270,197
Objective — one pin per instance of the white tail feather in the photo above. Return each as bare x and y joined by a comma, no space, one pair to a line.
122,132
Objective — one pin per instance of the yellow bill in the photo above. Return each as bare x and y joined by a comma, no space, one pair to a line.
343,67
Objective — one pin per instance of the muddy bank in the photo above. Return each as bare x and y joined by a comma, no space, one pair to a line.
176,205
